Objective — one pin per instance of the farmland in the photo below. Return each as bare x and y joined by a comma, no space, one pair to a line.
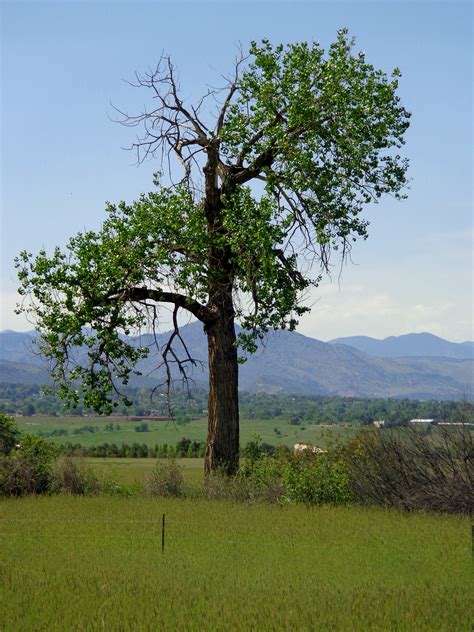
96,563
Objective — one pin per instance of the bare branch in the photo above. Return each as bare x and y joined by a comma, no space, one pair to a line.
233,87
170,127
137,294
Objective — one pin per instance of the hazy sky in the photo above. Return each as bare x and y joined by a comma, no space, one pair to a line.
61,159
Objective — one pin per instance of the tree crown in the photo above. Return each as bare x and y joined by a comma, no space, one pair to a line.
301,141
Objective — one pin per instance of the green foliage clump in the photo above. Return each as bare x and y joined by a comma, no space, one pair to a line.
142,427
282,477
167,480
9,434
29,468
316,480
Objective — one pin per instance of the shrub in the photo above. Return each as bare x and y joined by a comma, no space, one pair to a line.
316,479
262,479
252,451
28,469
71,475
166,480
220,486
9,434
411,469
305,478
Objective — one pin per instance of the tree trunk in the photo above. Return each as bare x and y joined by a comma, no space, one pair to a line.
222,449
223,428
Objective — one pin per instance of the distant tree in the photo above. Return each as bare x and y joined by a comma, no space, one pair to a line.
162,451
29,409
9,434
182,447
142,427
318,132
294,421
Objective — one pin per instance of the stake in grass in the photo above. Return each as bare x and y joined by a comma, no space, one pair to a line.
319,131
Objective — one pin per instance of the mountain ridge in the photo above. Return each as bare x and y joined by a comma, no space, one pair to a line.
287,362
421,344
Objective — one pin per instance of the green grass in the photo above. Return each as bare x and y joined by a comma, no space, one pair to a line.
95,564
170,433
130,471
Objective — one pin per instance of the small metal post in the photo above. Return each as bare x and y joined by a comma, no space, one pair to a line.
163,534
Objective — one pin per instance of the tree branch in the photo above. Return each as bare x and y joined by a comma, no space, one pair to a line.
201,312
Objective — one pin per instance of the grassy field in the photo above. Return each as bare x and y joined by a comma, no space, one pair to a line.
130,471
170,433
96,564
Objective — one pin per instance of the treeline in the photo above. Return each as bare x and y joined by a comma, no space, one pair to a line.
87,429
30,399
298,409
184,448
293,409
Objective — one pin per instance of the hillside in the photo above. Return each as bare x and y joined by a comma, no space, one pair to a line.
287,362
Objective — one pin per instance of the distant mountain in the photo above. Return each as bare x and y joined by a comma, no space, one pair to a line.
18,346
287,362
410,345
21,373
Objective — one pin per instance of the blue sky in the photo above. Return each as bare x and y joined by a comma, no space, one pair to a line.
61,159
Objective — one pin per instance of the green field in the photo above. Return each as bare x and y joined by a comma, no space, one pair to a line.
167,432
95,563
129,471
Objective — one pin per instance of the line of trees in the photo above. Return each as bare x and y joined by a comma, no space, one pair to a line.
184,448
296,409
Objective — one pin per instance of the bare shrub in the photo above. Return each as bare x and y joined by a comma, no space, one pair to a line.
73,476
220,486
413,468
166,480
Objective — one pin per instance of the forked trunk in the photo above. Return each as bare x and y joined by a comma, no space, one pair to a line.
223,430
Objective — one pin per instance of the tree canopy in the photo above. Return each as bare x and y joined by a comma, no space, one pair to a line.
274,180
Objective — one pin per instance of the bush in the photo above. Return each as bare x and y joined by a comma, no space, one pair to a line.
306,478
166,480
252,451
220,486
411,469
316,480
262,479
257,480
28,469
9,434
72,476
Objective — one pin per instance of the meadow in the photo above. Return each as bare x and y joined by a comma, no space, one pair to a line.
271,431
95,563
130,471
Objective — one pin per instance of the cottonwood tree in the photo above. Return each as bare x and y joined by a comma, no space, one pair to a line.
275,174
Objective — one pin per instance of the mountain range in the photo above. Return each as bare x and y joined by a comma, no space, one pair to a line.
408,345
417,366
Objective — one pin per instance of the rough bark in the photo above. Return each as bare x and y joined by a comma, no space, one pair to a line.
223,426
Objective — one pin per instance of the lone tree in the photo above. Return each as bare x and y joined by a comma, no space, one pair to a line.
274,178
